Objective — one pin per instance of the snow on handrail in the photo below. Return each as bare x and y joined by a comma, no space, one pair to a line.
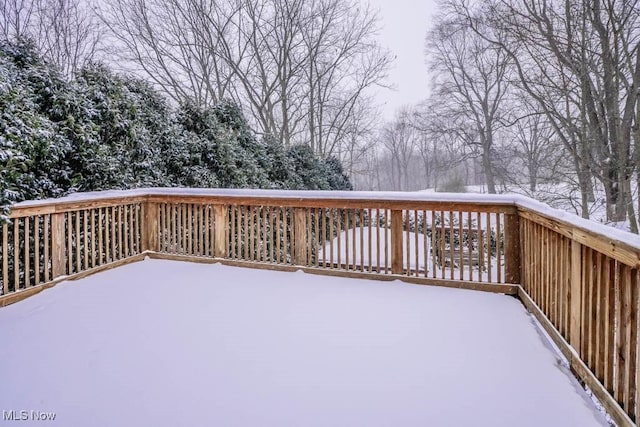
524,202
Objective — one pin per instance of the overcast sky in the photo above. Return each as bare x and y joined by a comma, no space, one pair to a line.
404,27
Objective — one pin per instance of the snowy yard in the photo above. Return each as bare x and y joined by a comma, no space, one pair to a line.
162,343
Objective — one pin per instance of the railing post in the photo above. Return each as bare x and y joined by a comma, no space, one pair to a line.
150,227
220,225
300,237
575,295
512,263
58,245
396,242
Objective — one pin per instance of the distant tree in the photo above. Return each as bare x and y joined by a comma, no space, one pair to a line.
302,70
471,80
579,62
400,139
65,32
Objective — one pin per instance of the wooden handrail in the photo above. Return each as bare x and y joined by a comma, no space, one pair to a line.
578,277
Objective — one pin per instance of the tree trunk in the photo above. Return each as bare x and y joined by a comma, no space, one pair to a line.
488,173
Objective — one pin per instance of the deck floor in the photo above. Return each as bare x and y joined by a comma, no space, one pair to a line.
164,343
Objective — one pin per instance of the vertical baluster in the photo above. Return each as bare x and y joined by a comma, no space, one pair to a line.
378,240
36,249
339,236
480,239
245,240
434,243
442,247
126,231
489,248
347,228
499,248
460,248
208,231
318,239
354,242
47,219
70,242
369,240
133,227
331,234
255,233
173,239
184,230
425,249
85,240
273,232
200,228
407,240
387,232
309,239
190,232
265,231
92,225
16,254
120,210
279,249
286,229
114,235
138,228
78,241
416,242
324,229
470,244
362,240
27,266
234,232
100,235
5,259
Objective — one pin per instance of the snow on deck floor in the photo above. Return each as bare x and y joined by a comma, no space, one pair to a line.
162,343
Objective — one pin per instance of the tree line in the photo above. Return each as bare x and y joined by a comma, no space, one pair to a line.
303,71
99,130
530,93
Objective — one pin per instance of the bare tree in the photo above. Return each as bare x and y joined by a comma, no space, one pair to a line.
400,139
441,150
68,33
579,61
471,82
65,32
15,18
172,44
301,69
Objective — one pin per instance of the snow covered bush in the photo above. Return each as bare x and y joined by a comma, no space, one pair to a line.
100,130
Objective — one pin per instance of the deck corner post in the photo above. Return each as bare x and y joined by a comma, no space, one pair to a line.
58,245
220,224
396,242
300,237
575,296
512,257
150,226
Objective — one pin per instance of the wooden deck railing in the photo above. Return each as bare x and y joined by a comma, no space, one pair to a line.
578,278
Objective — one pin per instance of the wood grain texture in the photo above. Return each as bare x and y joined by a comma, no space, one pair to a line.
575,320
396,242
578,367
512,250
299,239
58,249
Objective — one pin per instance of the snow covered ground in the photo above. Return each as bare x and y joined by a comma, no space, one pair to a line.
161,343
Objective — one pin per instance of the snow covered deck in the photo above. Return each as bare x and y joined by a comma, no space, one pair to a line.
164,343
